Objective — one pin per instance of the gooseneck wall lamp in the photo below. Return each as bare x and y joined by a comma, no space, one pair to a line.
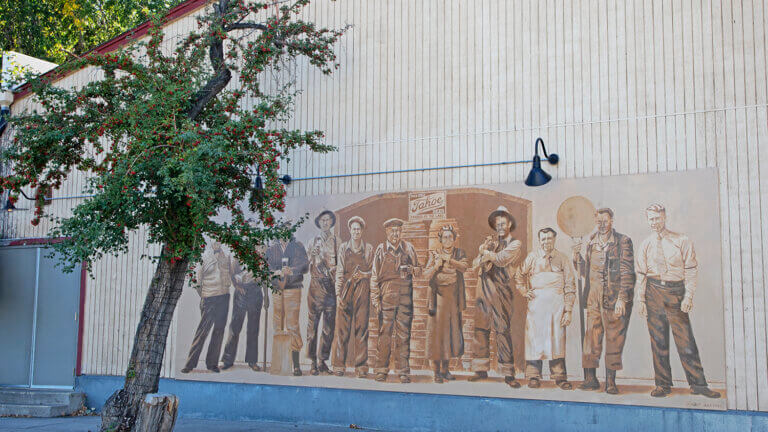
258,183
10,207
538,176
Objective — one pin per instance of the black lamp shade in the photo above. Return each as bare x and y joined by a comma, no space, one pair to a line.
8,207
537,176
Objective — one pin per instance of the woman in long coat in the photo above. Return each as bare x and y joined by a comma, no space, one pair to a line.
447,299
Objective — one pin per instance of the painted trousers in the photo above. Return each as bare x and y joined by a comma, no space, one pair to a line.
395,321
663,305
352,327
557,369
213,315
493,312
247,303
321,302
287,304
601,323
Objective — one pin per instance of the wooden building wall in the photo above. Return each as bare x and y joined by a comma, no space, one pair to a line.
615,87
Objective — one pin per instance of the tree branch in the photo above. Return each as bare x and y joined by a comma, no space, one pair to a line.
219,81
245,26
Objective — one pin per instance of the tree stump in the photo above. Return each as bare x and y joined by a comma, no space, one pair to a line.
157,413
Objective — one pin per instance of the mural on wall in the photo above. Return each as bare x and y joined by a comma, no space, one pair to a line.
574,291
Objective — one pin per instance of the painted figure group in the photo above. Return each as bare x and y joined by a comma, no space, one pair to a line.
350,280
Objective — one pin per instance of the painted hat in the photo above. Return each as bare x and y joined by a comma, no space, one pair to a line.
501,211
394,222
323,213
357,219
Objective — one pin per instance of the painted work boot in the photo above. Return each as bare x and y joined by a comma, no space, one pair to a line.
296,368
610,382
590,380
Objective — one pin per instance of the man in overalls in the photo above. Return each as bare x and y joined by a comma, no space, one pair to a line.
497,261
353,297
394,266
321,299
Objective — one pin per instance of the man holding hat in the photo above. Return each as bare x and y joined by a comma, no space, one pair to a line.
322,294
394,266
353,295
497,261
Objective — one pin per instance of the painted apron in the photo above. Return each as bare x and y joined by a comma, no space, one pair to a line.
544,336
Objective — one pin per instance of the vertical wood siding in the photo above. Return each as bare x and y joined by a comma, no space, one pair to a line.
614,87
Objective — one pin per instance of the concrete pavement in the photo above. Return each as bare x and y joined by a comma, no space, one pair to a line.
91,424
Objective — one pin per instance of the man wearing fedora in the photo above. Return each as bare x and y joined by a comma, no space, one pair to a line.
394,266
353,296
322,293
497,262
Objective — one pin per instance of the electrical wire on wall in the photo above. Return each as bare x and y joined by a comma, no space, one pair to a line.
360,174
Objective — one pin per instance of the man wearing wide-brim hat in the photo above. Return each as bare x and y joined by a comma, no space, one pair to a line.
394,266
498,260
321,299
353,298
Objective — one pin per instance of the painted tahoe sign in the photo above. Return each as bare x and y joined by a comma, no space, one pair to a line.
426,205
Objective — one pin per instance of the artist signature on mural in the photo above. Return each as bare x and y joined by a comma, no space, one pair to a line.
702,405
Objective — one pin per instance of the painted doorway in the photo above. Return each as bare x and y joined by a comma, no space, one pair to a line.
39,307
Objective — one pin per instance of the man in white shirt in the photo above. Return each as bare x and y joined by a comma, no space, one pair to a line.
667,270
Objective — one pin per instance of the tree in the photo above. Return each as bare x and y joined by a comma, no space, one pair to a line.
54,30
167,147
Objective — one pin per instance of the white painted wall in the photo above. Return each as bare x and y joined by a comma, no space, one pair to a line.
614,87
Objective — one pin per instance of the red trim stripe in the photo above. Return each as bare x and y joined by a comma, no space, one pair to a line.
36,241
125,38
81,318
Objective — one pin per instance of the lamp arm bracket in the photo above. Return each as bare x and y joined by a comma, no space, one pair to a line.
25,195
551,158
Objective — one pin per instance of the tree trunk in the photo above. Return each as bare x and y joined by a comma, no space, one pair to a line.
143,374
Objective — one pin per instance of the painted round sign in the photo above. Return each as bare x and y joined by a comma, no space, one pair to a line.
576,216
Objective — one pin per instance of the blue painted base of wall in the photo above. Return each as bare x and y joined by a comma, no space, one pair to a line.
421,412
